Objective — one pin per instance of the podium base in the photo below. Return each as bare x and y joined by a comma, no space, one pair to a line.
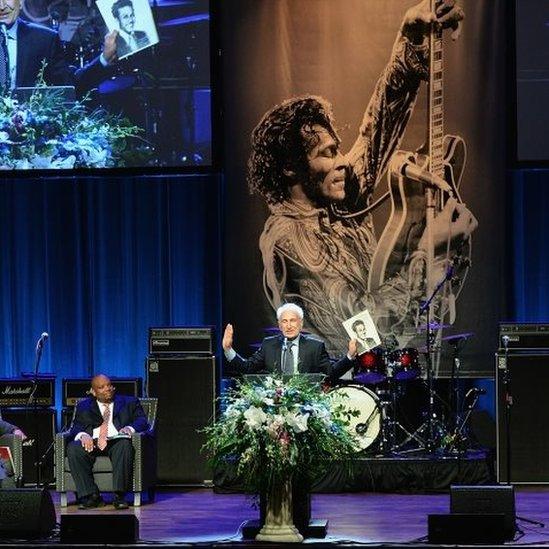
315,529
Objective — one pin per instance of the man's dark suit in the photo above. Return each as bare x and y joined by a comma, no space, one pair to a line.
127,411
312,358
123,48
36,44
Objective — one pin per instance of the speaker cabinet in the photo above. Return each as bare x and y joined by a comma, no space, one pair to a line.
100,529
466,529
26,513
39,426
486,500
186,392
527,381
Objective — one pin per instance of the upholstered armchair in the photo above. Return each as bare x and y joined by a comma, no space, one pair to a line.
144,467
15,444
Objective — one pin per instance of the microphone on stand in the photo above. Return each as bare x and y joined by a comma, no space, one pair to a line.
415,172
40,343
505,341
475,391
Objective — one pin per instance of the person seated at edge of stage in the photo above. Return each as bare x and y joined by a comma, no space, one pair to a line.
303,354
6,474
29,45
97,420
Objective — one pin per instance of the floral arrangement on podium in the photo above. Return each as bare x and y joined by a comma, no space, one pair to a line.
46,132
275,431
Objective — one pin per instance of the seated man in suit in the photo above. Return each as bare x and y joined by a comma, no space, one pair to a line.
128,38
289,352
5,468
98,423
29,45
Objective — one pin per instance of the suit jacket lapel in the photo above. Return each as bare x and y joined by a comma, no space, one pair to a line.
22,59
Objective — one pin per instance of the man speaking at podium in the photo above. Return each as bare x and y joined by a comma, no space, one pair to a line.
290,352
25,46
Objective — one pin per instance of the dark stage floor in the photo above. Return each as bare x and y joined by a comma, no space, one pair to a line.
200,516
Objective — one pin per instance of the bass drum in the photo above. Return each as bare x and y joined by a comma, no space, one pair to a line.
367,425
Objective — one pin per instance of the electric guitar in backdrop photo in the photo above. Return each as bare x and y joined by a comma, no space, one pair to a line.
420,184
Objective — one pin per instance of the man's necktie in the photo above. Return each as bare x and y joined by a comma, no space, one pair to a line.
103,429
288,366
133,42
4,61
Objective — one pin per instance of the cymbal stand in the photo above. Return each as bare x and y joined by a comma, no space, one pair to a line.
456,366
431,423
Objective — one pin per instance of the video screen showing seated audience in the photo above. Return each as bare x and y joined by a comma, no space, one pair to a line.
88,84
532,80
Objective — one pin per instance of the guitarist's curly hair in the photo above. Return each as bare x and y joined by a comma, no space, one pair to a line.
280,143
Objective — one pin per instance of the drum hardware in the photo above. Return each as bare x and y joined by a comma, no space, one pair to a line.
433,428
392,425
457,442
456,341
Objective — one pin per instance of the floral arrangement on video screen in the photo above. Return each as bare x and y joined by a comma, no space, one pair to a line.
46,132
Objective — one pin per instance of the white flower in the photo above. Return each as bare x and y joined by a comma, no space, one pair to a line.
232,412
64,163
41,162
268,401
255,417
274,424
297,421
4,137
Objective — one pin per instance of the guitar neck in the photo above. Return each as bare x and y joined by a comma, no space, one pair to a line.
436,103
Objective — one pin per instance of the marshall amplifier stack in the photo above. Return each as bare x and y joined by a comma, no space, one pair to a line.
35,415
522,379
181,373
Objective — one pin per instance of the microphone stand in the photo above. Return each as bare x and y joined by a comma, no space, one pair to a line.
32,402
426,308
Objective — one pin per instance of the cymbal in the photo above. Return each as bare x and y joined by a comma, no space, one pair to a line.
457,337
433,326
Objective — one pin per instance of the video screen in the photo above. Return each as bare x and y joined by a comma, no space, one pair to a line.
532,79
105,84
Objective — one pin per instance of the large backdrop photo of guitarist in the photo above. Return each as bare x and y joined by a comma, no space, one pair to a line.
365,170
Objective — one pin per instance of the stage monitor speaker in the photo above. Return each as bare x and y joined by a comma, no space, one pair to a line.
186,392
33,423
466,529
26,513
528,379
101,529
486,500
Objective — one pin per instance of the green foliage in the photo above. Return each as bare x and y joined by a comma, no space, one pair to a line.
47,132
273,431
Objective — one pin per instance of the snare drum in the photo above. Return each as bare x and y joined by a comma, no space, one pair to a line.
367,425
371,367
405,363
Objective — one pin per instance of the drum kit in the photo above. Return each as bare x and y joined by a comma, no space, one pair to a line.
381,378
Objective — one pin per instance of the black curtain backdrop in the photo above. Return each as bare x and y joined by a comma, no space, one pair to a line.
275,49
95,261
